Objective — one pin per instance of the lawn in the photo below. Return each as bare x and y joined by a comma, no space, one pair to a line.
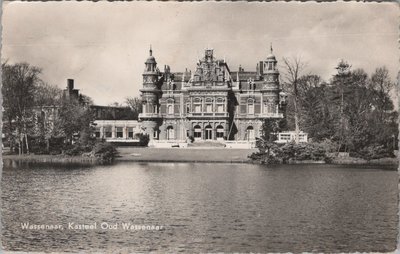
184,154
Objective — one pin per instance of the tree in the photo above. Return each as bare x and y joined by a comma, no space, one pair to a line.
76,119
293,68
382,85
135,104
340,84
316,118
383,117
19,83
270,129
46,101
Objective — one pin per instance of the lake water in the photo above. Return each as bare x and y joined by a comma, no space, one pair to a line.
202,207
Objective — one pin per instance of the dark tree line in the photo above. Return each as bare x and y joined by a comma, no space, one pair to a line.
353,111
37,115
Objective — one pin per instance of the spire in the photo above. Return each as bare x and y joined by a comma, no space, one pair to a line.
271,48
151,51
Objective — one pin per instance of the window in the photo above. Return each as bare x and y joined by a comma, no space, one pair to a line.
220,131
188,108
220,105
170,106
97,133
197,105
285,137
250,107
130,132
107,131
170,109
270,107
119,132
197,131
209,108
170,133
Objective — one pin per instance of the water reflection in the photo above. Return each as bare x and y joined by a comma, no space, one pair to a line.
204,207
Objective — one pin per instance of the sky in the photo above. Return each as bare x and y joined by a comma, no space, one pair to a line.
103,45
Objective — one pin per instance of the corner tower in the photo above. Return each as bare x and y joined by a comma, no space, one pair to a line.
270,71
273,98
150,94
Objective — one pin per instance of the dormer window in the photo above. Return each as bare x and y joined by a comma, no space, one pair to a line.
251,84
170,85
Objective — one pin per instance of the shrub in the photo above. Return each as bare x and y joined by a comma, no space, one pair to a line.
291,152
37,145
301,152
73,150
104,152
144,139
191,139
56,145
373,152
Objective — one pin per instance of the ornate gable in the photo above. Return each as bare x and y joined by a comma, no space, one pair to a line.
210,71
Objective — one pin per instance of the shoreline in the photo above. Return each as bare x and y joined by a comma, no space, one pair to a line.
179,155
46,158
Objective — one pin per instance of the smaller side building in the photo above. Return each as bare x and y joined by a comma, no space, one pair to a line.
289,136
119,131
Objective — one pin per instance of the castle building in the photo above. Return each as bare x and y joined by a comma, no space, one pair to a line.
213,103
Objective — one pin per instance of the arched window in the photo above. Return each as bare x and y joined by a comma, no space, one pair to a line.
170,133
197,132
250,106
250,133
220,132
170,107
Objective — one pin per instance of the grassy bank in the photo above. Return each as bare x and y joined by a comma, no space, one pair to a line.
359,161
51,158
215,155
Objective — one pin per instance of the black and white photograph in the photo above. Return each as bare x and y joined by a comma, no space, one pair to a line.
199,127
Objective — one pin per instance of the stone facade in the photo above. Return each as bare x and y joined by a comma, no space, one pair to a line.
213,103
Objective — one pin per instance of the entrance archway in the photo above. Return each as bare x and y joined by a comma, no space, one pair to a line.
208,132
250,133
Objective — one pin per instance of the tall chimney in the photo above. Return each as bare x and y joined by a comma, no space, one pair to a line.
70,84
